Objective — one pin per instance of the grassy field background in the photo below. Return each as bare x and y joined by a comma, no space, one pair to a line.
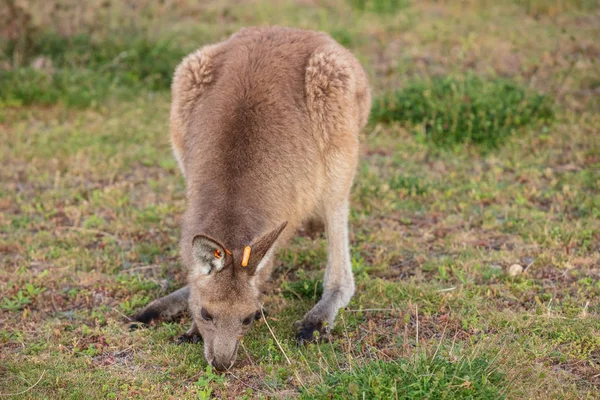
483,152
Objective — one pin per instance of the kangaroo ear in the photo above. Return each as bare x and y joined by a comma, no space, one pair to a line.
260,250
209,255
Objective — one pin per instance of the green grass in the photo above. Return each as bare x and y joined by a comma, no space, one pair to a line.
431,378
91,199
380,6
83,71
466,109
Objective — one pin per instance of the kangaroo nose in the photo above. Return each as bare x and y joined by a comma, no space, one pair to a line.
220,365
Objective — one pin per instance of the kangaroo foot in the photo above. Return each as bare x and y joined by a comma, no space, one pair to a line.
309,331
191,336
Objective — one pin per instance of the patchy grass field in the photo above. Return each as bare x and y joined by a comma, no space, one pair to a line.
483,152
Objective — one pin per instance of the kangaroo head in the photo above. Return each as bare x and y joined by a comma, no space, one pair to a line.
225,293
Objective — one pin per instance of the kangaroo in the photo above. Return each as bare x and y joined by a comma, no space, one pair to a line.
264,127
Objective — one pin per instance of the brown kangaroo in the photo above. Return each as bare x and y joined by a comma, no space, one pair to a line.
265,129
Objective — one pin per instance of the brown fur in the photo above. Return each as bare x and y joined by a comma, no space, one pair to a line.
265,129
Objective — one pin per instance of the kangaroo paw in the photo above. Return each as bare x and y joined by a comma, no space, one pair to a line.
191,336
146,316
317,323
185,338
166,308
309,331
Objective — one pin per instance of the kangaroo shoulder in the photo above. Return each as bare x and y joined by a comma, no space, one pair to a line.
337,90
193,75
191,79
329,75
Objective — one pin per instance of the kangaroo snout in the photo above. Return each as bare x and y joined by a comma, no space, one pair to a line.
222,365
224,356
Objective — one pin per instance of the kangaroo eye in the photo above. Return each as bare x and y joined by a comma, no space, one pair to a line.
205,315
248,320
257,315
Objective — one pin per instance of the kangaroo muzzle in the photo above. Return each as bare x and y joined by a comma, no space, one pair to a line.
224,356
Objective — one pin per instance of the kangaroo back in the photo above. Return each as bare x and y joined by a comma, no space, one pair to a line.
252,121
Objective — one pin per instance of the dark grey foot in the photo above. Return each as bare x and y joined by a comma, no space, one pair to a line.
135,327
146,316
194,338
311,331
164,309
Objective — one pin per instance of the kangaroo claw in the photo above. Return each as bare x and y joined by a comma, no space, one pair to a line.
310,332
194,338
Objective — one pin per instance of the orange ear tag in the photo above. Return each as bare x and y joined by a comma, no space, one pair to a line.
246,256
217,253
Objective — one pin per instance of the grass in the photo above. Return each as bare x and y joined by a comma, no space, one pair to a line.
91,198
81,72
553,8
467,109
379,6
430,378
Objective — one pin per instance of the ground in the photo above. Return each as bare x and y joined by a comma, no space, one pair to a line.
91,199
